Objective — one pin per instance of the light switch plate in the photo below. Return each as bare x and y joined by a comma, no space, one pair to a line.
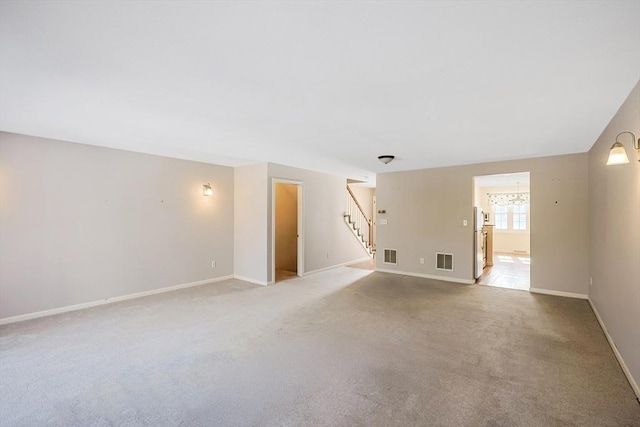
383,222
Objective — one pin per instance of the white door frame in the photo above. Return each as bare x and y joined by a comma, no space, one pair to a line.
374,219
300,254
477,203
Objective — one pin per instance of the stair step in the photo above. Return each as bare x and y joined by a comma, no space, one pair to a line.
357,231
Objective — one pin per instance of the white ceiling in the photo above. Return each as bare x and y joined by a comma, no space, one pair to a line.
503,180
324,86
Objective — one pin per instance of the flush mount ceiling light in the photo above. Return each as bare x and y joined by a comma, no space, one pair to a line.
386,158
617,153
207,190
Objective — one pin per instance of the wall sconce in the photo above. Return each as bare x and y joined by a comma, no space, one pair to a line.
207,190
617,153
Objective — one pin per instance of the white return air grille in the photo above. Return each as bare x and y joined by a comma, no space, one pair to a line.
390,257
444,261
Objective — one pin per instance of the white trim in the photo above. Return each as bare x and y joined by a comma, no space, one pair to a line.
68,308
337,265
625,369
558,293
300,265
250,280
300,254
374,218
428,276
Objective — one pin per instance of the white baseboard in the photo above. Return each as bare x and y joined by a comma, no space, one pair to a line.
428,276
51,312
558,293
336,266
623,365
250,280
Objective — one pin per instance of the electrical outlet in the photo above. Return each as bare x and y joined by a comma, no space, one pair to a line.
213,264
421,260
328,255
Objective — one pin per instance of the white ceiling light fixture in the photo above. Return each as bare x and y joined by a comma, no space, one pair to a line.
617,153
386,158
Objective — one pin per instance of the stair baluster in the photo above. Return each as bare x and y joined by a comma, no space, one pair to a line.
360,225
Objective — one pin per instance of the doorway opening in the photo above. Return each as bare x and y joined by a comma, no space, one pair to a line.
287,230
503,229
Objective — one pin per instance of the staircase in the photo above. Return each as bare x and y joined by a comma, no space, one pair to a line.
360,225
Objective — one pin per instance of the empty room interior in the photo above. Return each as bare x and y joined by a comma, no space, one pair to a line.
320,213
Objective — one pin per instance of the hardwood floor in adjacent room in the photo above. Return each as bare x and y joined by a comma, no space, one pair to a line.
365,265
511,271
285,275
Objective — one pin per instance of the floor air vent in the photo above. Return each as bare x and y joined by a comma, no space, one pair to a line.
390,256
444,261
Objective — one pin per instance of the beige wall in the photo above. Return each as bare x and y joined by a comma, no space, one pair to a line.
508,241
250,223
364,196
614,225
511,242
80,223
426,208
327,239
286,207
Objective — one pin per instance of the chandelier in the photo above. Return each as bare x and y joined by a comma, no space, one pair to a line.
504,199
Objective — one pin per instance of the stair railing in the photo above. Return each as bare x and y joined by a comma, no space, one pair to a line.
359,221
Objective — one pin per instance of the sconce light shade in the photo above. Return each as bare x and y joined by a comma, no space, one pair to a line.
617,155
207,190
386,158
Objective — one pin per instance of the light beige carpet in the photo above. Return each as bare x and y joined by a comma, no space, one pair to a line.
345,347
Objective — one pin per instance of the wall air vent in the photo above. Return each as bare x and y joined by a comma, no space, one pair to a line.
444,261
390,257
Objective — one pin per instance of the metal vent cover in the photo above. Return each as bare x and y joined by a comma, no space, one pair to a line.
444,261
390,256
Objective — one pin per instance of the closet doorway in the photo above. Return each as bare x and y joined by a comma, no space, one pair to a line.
287,230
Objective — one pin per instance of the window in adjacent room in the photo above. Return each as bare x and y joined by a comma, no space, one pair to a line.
520,217
500,217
